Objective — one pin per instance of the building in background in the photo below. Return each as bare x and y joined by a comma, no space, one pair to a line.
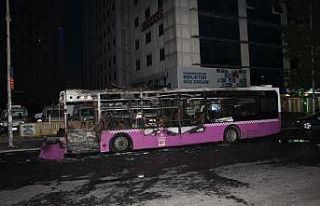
105,29
184,43
265,19
300,41
46,56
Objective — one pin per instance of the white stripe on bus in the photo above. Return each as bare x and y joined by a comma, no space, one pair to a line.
208,125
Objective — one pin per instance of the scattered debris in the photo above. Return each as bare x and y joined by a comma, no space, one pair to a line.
298,141
140,176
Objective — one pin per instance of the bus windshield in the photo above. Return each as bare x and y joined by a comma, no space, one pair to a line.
87,113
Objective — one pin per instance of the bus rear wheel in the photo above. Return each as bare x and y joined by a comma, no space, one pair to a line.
120,144
231,134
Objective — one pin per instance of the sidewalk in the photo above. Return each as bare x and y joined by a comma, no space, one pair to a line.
21,144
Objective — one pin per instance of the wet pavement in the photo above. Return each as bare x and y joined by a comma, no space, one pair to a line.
268,171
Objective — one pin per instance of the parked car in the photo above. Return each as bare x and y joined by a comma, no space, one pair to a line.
37,117
310,125
19,116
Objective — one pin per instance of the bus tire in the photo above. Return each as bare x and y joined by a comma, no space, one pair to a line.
231,134
121,143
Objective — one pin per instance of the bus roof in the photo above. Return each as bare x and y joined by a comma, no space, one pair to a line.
80,95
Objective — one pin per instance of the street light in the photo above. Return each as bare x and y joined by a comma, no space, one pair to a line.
9,106
312,60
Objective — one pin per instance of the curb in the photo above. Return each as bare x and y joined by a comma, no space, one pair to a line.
19,150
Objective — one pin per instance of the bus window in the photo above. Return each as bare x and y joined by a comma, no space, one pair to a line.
220,110
112,120
245,108
169,110
214,110
76,113
269,106
193,111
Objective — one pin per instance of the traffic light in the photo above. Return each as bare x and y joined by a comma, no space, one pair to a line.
11,83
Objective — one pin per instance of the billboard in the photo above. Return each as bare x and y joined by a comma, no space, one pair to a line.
199,77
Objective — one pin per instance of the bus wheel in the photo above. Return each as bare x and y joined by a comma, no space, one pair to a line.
231,134
120,143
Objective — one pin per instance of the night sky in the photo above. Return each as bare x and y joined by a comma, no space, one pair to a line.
65,46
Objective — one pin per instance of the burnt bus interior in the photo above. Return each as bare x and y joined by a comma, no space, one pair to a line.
181,109
178,111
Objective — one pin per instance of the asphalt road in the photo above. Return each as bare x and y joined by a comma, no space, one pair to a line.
264,171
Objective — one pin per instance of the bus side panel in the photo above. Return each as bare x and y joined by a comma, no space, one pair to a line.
105,138
248,129
140,140
159,140
211,133
259,128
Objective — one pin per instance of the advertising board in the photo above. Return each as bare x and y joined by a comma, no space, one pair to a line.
199,77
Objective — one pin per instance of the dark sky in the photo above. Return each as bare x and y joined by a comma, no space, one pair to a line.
72,54
74,42
2,56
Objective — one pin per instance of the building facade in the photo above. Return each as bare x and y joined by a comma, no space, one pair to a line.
184,43
104,46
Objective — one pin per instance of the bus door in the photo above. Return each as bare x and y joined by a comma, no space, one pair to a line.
192,117
165,126
169,117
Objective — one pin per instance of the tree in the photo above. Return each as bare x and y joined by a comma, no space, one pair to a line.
302,43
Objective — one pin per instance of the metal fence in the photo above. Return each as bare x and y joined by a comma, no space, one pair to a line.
40,129
298,104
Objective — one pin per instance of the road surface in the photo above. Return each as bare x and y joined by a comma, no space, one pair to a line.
264,171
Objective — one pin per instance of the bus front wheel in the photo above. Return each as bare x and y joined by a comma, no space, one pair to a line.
231,134
120,143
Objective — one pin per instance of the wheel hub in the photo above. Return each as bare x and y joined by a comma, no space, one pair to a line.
121,143
231,135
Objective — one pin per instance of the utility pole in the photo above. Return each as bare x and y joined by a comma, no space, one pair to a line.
9,106
312,60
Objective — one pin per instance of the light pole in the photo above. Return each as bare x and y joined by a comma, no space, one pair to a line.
312,60
9,106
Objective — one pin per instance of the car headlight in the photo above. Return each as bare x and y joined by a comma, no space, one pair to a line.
307,125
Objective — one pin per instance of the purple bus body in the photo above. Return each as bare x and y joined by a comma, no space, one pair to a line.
206,133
